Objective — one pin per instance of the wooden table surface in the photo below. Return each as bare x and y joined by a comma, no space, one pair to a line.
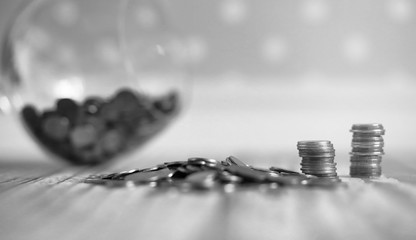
41,200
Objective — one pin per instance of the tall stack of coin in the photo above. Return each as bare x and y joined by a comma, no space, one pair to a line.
317,158
367,150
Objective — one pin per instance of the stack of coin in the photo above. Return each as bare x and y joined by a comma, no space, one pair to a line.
367,150
317,158
99,129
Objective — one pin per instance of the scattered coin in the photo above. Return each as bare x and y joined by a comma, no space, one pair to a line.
204,174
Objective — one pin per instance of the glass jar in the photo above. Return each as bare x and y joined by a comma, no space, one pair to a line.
93,79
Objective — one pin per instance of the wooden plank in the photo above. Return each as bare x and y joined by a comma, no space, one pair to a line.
58,205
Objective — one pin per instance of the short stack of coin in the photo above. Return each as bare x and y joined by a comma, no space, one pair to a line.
367,150
317,158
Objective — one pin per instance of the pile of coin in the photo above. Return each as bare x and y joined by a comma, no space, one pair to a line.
98,129
317,158
204,173
367,150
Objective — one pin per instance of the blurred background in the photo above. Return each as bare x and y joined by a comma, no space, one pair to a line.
266,74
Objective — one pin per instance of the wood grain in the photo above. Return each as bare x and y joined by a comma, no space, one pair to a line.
48,201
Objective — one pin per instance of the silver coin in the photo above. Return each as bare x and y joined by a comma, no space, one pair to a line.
235,161
366,158
305,147
364,164
284,171
318,171
368,133
325,175
146,176
56,127
356,163
364,169
316,163
314,143
367,127
367,145
83,136
247,173
193,168
317,150
317,166
368,138
205,162
323,155
367,148
367,153
318,159
174,165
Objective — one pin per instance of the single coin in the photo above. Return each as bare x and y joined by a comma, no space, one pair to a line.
317,150
318,159
31,118
368,139
167,104
112,141
235,161
83,136
313,143
146,176
323,155
56,127
367,153
285,171
373,158
364,164
69,109
92,105
367,126
247,174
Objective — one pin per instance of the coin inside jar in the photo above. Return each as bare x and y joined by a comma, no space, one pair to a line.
98,129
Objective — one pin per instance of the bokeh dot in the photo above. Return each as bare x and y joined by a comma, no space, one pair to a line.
314,11
66,54
233,11
38,38
197,49
400,10
66,12
356,48
146,17
108,52
274,49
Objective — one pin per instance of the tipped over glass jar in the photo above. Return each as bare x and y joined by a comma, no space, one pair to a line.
91,80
